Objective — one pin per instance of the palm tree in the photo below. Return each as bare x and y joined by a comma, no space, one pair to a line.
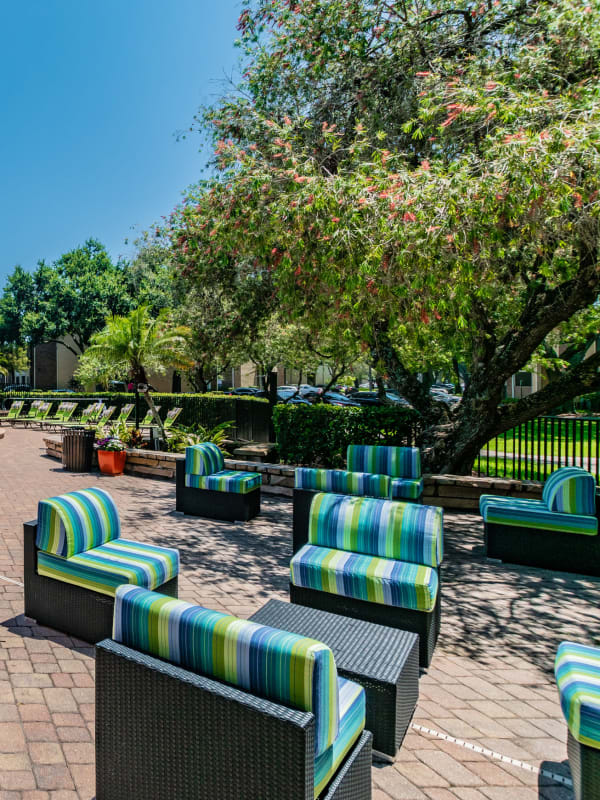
136,345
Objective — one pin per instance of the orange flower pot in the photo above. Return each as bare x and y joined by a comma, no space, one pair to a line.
112,462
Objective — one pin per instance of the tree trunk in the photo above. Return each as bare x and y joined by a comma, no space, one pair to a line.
155,414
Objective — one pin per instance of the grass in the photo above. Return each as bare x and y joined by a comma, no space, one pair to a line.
557,436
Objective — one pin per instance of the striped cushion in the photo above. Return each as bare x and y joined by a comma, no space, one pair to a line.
283,667
203,459
363,577
570,490
533,514
75,522
352,722
364,484
406,488
397,462
404,531
103,568
226,481
577,670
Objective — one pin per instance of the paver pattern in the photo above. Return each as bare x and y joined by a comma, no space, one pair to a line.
490,683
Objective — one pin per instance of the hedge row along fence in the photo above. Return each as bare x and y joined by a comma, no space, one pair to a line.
319,435
250,416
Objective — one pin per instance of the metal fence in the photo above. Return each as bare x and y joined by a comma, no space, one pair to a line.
532,450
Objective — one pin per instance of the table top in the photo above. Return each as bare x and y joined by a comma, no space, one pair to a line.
363,648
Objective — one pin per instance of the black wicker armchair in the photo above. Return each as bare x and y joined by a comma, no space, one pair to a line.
58,590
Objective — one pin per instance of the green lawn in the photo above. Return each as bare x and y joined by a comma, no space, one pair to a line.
558,436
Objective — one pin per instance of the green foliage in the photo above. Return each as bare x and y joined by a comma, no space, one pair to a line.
17,298
319,435
74,296
181,437
424,182
135,345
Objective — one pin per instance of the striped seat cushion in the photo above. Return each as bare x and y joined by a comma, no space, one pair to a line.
75,522
363,577
570,490
402,531
103,568
363,484
406,488
226,481
577,670
533,514
352,722
203,459
397,462
279,666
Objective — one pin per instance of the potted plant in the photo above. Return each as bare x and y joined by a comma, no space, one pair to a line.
111,455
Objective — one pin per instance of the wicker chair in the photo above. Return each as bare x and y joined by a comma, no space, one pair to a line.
334,557
204,488
373,471
175,719
75,559
560,531
577,670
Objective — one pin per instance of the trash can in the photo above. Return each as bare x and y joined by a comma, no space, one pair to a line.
78,449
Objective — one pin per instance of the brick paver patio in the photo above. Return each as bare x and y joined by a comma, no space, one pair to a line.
489,689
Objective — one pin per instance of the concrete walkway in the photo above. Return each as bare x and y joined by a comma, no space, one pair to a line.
488,725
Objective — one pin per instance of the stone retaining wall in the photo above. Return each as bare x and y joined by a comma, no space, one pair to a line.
449,491
276,478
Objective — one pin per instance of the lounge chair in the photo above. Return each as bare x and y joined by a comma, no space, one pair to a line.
149,421
372,559
75,559
125,413
560,531
171,417
195,704
32,412
577,671
205,488
16,407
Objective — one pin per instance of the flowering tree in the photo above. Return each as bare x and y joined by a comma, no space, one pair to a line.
423,179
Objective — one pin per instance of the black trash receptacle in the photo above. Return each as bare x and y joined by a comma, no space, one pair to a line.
78,449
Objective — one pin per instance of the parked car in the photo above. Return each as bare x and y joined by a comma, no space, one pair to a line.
372,399
337,399
287,394
248,391
446,387
443,397
16,387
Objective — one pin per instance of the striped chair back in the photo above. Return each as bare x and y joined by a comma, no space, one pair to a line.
149,418
15,409
385,528
282,667
34,409
570,490
397,462
44,410
172,416
203,459
125,412
75,522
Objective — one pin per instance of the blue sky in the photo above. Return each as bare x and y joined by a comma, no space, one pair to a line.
92,96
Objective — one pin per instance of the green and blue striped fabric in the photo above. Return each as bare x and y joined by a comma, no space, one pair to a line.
363,484
203,459
226,481
385,528
352,722
72,523
406,488
577,671
570,490
104,568
533,514
397,462
279,666
363,577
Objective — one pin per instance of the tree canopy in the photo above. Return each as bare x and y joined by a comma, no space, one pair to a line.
421,179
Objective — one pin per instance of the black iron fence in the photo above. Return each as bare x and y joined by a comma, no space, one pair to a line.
532,450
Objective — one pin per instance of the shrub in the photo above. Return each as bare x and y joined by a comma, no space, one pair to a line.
319,435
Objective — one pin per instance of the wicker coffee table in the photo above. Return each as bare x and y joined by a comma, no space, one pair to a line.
385,661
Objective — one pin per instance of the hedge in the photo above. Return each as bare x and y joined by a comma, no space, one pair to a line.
319,435
249,414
